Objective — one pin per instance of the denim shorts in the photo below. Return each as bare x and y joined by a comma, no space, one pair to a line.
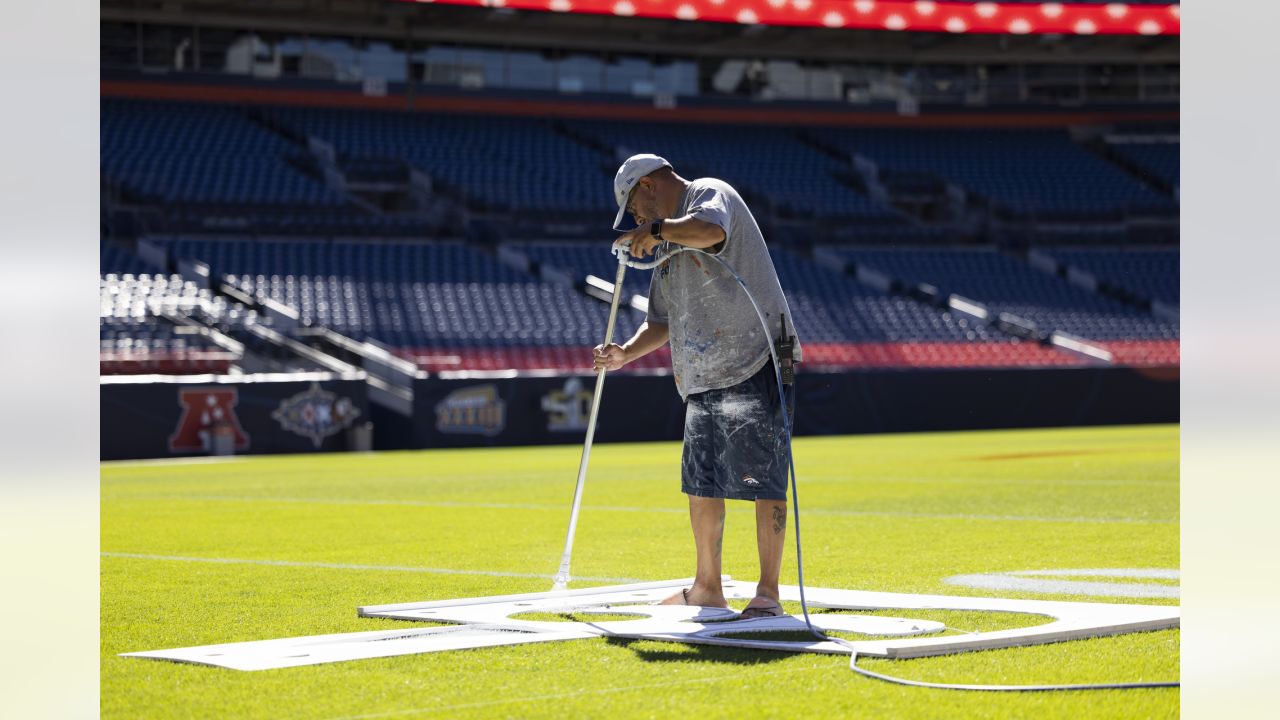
735,441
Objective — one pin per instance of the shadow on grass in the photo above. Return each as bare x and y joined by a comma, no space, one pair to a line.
694,653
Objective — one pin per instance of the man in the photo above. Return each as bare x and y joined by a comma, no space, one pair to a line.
734,435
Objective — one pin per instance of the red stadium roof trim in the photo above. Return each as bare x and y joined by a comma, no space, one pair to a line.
898,15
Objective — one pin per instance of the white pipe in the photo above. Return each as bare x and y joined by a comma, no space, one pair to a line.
562,577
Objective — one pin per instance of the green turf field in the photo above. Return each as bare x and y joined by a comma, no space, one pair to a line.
270,547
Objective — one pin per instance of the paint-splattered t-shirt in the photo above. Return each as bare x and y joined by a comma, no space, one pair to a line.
716,338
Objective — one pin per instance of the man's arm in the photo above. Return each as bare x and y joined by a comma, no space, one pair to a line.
649,337
692,232
688,231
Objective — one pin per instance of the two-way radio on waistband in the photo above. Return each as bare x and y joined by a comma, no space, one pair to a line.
785,345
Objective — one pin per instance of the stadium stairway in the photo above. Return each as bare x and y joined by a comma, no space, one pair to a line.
937,210
156,322
1148,153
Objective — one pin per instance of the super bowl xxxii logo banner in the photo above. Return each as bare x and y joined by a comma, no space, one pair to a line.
567,409
475,410
316,413
206,411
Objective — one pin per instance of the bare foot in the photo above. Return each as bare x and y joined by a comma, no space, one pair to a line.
697,596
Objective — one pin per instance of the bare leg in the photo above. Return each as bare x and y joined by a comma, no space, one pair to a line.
771,531
706,515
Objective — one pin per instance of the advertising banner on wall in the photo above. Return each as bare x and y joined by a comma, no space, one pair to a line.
220,415
495,410
526,410
208,415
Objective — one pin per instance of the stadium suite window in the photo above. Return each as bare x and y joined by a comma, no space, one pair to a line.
166,46
118,45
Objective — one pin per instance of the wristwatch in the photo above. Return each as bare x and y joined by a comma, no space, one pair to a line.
655,229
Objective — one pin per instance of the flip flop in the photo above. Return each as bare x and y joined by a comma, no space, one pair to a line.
764,611
684,597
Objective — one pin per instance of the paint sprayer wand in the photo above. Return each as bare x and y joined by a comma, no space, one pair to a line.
562,577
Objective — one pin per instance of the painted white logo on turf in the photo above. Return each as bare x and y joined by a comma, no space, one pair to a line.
1051,582
487,622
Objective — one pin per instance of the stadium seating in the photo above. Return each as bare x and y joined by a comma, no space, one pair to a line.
184,154
829,307
189,154
1009,353
429,295
580,259
1008,167
1144,353
1007,285
116,259
1159,159
843,323
502,163
1150,273
449,305
133,340
791,174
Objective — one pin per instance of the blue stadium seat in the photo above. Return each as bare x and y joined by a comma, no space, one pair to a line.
1151,273
1024,172
202,154
408,294
1008,285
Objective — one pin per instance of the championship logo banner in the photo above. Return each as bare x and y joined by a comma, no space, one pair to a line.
316,413
567,409
476,410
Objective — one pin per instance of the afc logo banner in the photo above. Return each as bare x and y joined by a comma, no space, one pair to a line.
206,411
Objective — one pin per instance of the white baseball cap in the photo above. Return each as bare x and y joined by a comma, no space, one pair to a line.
633,168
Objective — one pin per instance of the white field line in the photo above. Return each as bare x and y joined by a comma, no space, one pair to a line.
738,677
1006,582
201,460
632,509
346,566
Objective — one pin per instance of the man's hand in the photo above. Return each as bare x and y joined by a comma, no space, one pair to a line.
638,241
609,357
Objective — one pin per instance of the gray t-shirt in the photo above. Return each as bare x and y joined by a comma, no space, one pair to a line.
716,338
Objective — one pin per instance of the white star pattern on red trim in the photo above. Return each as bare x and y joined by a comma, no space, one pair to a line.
897,15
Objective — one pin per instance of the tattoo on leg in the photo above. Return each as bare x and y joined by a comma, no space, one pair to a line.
720,535
779,520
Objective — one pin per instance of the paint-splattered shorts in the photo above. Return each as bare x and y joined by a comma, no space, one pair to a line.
735,441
